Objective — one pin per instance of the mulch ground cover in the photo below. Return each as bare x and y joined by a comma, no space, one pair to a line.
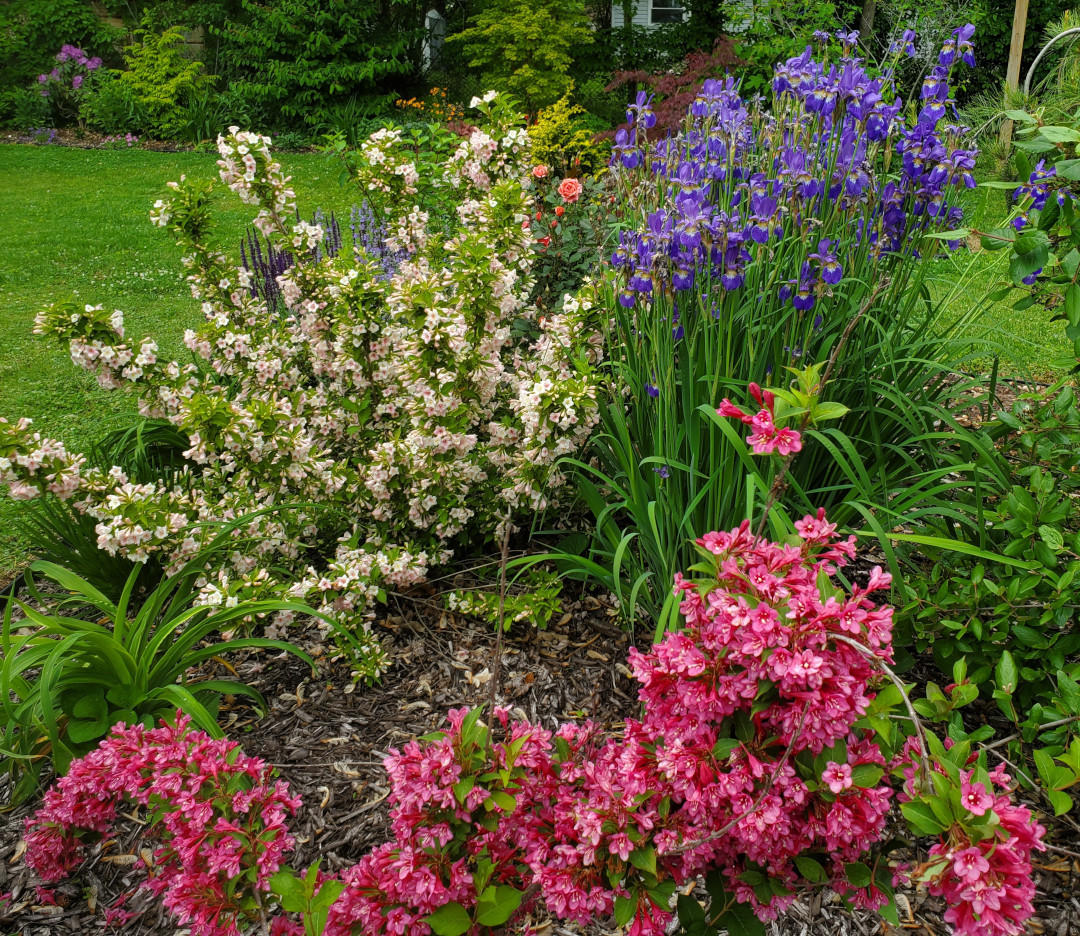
327,739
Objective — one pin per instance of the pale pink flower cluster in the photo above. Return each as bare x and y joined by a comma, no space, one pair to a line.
766,437
31,465
409,404
219,816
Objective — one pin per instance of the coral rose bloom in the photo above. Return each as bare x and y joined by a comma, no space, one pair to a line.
570,189
540,172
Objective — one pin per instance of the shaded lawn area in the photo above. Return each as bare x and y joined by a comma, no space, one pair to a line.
75,224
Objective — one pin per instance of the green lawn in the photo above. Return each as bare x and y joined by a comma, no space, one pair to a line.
1028,340
75,223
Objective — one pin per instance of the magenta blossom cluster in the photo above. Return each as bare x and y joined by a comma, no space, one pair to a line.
766,437
220,817
747,764
982,867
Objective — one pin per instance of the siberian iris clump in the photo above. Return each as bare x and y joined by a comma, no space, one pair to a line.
763,238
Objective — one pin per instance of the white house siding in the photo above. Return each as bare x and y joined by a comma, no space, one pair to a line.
738,14
641,14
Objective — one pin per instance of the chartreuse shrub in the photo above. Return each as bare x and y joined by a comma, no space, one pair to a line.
563,142
527,49
768,758
404,416
162,79
754,243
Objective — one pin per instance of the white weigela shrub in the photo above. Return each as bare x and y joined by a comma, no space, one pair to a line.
418,408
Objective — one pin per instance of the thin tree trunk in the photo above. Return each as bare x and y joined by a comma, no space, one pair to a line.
866,22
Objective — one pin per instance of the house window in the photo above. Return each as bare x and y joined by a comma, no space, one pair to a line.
665,11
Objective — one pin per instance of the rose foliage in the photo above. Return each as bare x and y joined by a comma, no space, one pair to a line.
765,759
405,413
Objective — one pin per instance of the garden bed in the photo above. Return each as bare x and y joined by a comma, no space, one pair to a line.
327,739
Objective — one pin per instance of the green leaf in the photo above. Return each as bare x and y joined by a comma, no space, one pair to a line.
1061,801
740,920
858,874
723,748
1052,537
644,859
625,908
504,801
449,920
690,911
810,869
497,905
1024,264
1006,676
81,730
1059,134
866,775
920,817
824,411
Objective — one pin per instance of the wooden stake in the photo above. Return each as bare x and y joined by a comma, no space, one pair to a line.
1016,53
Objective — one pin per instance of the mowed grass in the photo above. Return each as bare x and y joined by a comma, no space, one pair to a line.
1027,342
75,224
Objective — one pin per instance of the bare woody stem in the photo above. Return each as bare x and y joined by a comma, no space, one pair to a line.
503,559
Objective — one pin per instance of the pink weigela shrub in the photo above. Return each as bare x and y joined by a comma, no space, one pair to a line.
418,407
754,763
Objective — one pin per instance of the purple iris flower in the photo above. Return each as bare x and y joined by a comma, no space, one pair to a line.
831,270
959,42
905,44
654,392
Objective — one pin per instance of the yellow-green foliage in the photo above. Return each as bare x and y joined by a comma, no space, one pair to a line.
162,78
561,141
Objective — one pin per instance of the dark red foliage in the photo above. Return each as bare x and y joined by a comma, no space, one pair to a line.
676,89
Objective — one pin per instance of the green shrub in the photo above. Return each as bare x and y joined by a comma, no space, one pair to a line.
527,48
31,32
562,140
162,79
111,106
294,60
25,108
146,451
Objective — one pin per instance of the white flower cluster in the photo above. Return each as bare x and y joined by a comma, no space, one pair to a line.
407,405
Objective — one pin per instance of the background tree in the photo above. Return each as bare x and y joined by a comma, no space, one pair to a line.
302,59
526,47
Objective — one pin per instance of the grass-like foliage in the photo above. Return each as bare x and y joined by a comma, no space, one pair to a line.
76,663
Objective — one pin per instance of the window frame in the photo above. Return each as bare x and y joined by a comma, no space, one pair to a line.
674,5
